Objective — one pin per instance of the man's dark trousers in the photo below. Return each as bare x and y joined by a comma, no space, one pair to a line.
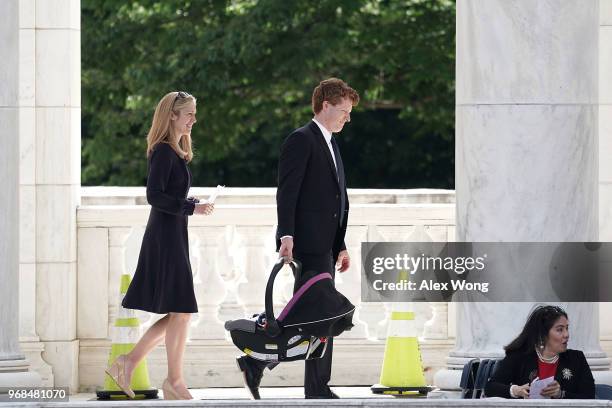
317,372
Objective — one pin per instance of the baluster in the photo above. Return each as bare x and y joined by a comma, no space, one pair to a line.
207,261
437,326
349,282
117,238
256,242
230,256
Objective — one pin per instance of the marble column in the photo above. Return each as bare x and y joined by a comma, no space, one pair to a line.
14,368
57,153
605,121
605,145
526,151
28,337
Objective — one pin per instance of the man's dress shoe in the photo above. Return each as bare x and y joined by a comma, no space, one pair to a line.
252,375
329,395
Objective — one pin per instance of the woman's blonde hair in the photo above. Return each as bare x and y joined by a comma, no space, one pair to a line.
161,129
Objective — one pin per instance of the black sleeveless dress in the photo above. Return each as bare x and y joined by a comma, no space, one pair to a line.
163,281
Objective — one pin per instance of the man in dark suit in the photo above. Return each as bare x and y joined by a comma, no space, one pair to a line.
312,209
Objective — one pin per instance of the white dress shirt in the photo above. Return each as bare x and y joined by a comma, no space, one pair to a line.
327,135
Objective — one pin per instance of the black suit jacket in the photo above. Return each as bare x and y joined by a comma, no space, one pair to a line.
573,374
309,195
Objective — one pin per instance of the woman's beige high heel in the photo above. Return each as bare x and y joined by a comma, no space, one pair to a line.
117,373
169,393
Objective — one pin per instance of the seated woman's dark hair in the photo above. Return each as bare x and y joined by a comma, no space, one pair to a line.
536,329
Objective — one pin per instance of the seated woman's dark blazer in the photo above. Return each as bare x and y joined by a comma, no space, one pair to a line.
518,368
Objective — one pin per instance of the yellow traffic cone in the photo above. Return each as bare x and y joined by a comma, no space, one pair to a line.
126,333
402,370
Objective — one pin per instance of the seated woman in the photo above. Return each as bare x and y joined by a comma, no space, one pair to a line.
541,351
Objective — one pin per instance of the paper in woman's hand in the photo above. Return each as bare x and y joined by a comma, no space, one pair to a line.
213,196
535,390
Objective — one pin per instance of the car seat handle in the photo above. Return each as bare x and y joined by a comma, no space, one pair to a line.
272,327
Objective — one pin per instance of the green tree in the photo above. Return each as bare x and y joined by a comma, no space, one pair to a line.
253,65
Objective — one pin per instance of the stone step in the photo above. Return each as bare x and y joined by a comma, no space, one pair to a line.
281,397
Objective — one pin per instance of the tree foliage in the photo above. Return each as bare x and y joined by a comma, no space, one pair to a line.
252,65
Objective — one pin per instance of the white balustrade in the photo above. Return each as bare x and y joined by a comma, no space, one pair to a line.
232,252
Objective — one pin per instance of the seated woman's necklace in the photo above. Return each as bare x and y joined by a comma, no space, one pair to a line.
548,360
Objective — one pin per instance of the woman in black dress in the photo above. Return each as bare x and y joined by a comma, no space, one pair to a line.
163,281
540,351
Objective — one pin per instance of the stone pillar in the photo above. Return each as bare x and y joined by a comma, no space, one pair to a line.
28,338
605,121
57,182
526,151
605,148
14,368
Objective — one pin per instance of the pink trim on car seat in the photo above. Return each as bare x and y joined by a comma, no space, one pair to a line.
300,292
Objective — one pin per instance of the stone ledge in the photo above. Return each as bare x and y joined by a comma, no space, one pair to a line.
243,215
100,195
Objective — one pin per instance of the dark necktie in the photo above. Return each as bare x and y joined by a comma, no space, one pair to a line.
341,181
